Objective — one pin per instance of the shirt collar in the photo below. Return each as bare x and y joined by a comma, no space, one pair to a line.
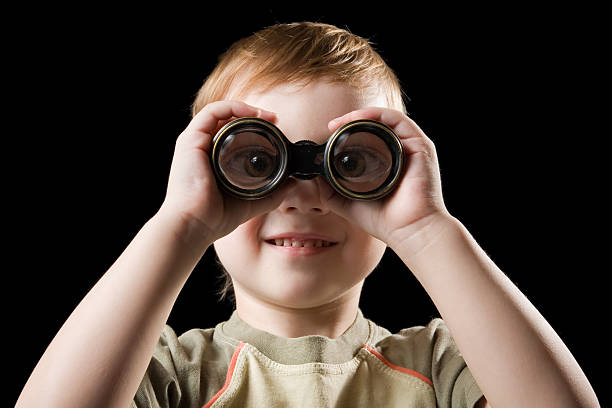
305,349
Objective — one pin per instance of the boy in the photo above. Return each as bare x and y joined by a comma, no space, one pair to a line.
297,336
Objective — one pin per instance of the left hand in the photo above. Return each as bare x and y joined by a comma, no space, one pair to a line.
416,199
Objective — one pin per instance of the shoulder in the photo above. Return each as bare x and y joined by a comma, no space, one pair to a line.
189,368
431,351
192,341
422,347
192,347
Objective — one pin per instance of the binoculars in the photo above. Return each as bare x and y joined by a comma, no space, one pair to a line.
362,160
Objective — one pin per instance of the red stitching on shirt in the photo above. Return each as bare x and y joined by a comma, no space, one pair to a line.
228,379
393,366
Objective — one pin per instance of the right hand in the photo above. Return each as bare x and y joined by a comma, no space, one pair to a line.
192,195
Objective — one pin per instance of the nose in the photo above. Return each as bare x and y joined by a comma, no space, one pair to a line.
304,196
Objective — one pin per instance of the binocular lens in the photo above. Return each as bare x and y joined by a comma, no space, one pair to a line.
362,161
249,159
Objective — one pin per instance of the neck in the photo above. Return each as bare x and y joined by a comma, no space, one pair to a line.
331,319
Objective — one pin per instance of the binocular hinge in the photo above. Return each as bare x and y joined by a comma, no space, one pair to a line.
308,157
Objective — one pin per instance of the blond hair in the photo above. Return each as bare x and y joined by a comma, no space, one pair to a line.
298,53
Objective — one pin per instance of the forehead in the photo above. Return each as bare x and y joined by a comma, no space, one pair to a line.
304,111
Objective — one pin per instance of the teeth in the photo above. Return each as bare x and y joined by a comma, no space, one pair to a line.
317,243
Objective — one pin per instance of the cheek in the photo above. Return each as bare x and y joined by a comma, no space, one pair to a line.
238,247
364,251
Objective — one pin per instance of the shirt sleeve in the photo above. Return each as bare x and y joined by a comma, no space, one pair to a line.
159,387
466,392
454,384
431,351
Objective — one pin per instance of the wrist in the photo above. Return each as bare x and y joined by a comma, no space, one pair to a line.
415,238
187,230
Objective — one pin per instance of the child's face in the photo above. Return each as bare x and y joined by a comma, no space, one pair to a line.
264,272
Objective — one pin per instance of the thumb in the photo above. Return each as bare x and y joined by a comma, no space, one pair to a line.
335,201
270,202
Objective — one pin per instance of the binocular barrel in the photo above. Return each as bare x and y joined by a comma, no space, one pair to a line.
362,160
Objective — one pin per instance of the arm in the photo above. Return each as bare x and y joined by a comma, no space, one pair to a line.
513,353
100,354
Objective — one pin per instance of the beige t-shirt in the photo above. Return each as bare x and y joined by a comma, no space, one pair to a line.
236,365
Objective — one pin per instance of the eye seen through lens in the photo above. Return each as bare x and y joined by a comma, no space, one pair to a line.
248,159
362,161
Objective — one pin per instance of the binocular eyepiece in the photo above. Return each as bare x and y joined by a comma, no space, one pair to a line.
362,160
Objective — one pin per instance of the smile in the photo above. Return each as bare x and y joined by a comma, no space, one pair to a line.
296,243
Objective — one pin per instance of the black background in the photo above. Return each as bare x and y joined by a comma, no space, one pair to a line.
510,97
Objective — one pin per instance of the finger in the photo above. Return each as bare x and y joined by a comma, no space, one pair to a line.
267,115
206,120
334,201
414,140
253,208
199,133
401,124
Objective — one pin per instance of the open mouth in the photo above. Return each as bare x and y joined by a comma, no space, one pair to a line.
307,243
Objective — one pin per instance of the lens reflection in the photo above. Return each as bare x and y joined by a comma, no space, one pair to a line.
249,159
362,161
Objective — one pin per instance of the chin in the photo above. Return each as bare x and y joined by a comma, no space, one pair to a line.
299,296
